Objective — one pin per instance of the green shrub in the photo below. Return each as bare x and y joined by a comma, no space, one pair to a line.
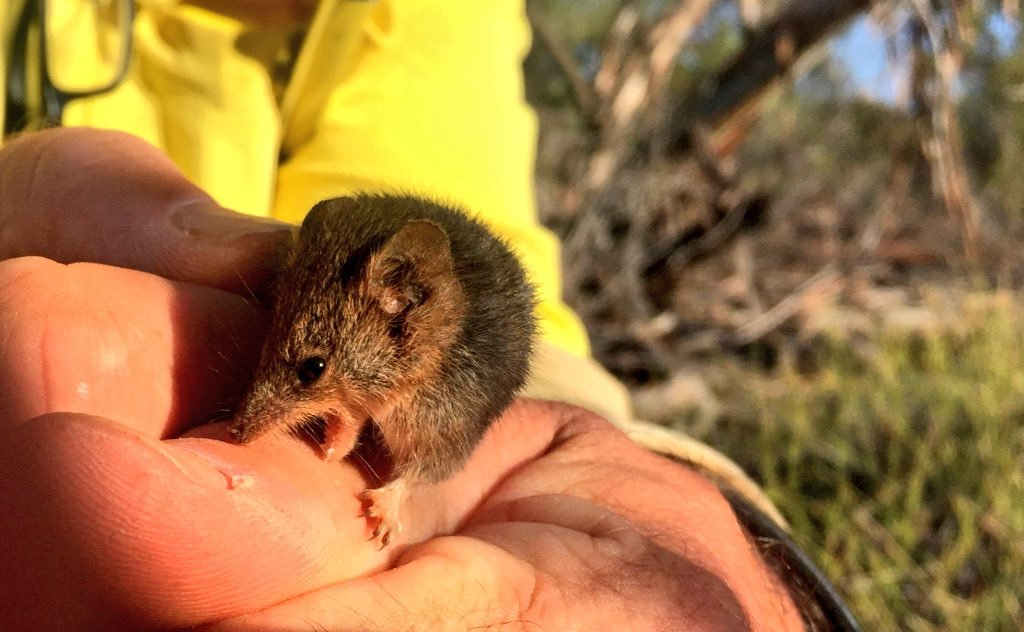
900,464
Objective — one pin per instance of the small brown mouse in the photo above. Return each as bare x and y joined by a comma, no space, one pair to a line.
399,311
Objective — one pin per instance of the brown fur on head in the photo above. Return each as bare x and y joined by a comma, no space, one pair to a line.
354,329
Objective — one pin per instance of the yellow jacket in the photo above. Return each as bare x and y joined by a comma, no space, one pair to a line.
421,96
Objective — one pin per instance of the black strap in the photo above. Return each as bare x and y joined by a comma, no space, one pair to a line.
796,563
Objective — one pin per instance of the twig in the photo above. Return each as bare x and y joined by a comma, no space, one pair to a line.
786,308
582,92
667,39
632,81
677,253
615,51
941,142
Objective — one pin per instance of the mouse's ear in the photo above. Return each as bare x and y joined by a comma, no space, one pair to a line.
423,243
412,263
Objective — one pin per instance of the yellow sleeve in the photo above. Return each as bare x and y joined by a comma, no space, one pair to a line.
434,105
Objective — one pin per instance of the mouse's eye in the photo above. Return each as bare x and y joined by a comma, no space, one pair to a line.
311,369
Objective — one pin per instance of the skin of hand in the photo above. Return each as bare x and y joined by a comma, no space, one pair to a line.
122,300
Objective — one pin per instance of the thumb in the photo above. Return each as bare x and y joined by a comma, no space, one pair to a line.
80,194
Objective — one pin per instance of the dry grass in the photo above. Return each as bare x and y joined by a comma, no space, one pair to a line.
900,464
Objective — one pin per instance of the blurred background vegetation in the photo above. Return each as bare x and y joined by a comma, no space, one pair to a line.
792,227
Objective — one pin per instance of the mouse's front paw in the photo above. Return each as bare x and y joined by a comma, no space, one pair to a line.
383,504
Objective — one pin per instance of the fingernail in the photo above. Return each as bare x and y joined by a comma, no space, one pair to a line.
207,221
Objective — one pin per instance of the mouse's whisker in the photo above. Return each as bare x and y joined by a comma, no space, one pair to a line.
255,299
310,427
219,414
365,463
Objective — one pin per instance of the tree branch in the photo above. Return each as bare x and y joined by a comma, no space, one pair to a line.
582,92
732,101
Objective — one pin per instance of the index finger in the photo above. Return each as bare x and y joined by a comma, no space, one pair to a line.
79,194
114,530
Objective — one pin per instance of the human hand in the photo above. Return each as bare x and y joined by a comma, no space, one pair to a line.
112,520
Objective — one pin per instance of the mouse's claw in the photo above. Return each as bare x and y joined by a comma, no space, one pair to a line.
384,533
383,504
